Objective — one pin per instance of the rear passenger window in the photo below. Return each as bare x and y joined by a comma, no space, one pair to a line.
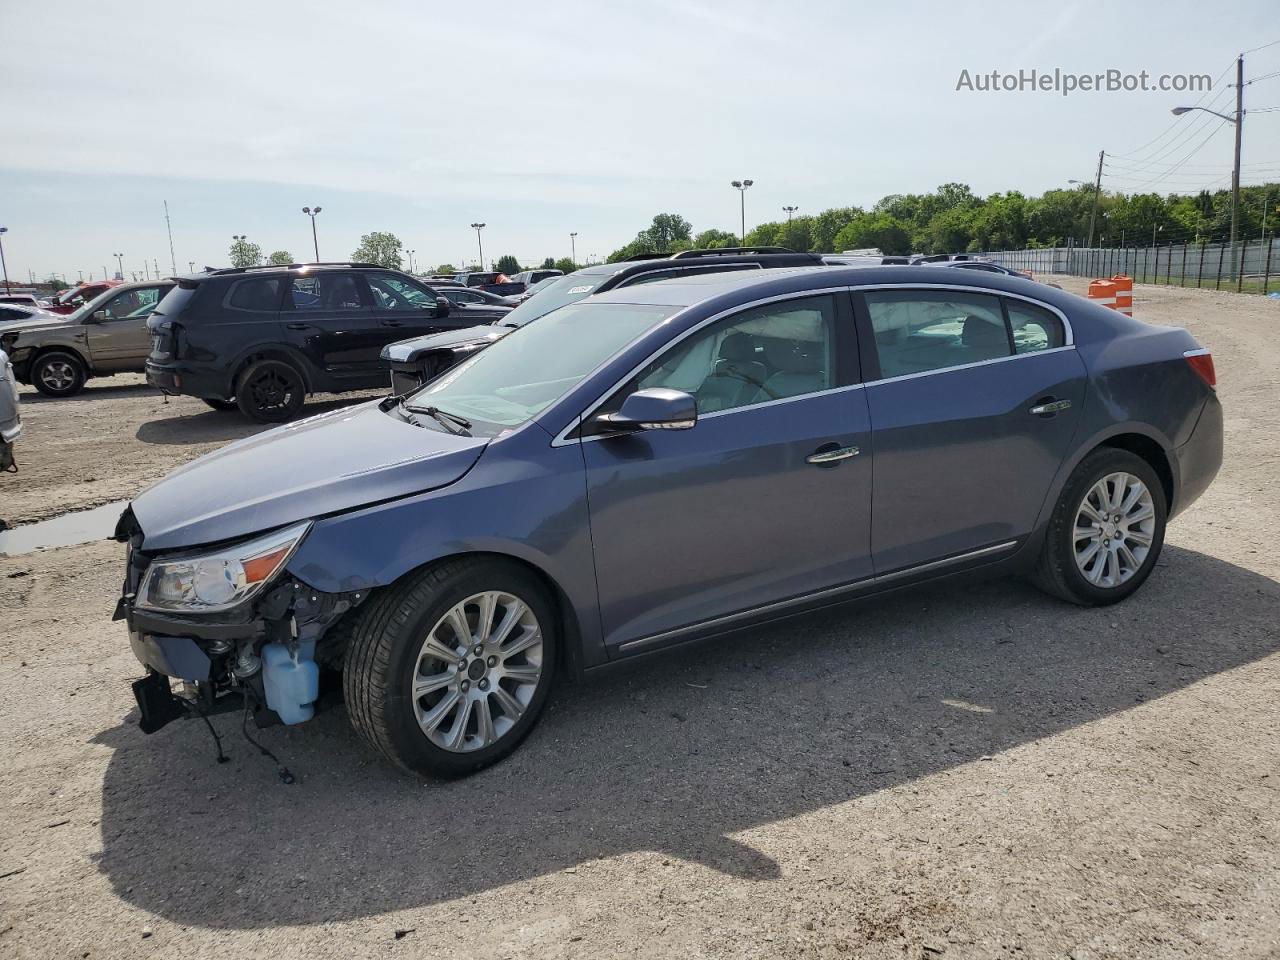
920,330
1034,328
327,291
260,294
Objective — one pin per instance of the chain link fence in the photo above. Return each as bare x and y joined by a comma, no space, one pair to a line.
1189,264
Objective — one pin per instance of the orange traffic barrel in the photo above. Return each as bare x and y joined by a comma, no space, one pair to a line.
1124,293
1103,292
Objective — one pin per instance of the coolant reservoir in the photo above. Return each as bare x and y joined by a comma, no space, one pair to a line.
291,684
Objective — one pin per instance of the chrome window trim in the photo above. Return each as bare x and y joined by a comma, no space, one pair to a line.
562,438
782,605
706,268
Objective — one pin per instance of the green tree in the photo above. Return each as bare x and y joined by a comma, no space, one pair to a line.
829,223
948,232
508,264
280,258
446,268
882,231
245,254
380,248
715,240
797,235
764,235
549,263
566,264
667,230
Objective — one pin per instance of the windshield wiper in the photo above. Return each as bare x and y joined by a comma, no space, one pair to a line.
445,419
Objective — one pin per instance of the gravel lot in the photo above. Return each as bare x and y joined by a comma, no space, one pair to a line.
958,771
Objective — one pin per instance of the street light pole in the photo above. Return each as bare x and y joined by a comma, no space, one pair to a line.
477,227
790,211
741,187
4,266
573,247
313,212
1238,120
120,264
410,253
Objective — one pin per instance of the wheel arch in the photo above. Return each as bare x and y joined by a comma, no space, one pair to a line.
1151,451
47,349
273,352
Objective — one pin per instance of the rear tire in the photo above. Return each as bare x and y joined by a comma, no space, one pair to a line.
59,374
444,702
1106,531
270,391
222,406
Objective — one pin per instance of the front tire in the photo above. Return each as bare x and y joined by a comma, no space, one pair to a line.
1106,532
270,391
222,406
448,670
59,374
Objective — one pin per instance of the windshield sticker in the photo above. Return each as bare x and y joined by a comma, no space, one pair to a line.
586,289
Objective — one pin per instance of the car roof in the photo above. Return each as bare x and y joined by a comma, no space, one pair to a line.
745,285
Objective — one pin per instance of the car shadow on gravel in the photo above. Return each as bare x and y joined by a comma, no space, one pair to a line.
674,755
212,426
93,391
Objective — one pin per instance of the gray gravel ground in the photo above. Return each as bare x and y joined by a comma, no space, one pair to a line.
969,770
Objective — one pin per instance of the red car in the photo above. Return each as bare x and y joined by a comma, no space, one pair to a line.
68,301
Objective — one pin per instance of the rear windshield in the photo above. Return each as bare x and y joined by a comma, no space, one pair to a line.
175,301
553,296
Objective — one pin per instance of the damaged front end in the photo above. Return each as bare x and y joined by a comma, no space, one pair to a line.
231,626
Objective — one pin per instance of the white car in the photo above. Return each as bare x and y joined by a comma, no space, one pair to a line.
10,419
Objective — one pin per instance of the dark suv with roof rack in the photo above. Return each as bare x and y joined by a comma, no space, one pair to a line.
262,338
414,362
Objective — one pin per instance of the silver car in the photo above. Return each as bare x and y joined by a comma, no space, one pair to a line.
10,418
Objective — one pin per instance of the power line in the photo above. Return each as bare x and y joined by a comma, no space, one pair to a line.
1263,47
1194,150
1133,155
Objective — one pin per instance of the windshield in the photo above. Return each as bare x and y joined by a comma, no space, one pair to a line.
554,295
524,373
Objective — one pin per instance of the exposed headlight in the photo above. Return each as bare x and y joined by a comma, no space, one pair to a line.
208,582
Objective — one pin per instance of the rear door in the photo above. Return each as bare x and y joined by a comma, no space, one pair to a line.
964,453
329,317
121,341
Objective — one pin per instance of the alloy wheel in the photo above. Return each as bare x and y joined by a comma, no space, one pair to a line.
477,671
57,375
1115,526
272,390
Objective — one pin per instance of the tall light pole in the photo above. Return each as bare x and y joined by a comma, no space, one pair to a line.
410,253
1238,122
313,212
120,264
192,265
741,187
573,246
477,227
4,266
789,212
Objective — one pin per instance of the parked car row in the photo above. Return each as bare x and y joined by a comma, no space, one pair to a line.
686,453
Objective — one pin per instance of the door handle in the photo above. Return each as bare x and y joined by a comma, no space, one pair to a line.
1049,407
830,455
298,326
393,323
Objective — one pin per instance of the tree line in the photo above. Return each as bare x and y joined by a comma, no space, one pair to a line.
952,219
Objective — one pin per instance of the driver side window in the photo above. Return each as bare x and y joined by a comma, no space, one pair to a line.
392,293
773,352
132,303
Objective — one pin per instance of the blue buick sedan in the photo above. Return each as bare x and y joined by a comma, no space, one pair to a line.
657,465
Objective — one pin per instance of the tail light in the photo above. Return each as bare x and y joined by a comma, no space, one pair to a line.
1201,362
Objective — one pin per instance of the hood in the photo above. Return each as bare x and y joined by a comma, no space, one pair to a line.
337,461
410,350
40,323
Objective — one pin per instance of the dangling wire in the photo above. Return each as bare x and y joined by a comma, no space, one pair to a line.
217,740
285,775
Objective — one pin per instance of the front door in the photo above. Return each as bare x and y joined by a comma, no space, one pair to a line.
692,525
963,461
117,333
404,310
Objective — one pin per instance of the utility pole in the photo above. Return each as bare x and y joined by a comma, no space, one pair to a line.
120,264
741,187
4,266
1097,189
477,227
156,261
1235,170
573,244
173,261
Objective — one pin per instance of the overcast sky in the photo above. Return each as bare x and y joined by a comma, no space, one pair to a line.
541,119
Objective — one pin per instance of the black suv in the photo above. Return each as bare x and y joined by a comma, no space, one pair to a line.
262,338
414,362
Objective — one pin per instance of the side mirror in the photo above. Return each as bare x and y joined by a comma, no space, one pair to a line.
98,316
656,408
442,307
